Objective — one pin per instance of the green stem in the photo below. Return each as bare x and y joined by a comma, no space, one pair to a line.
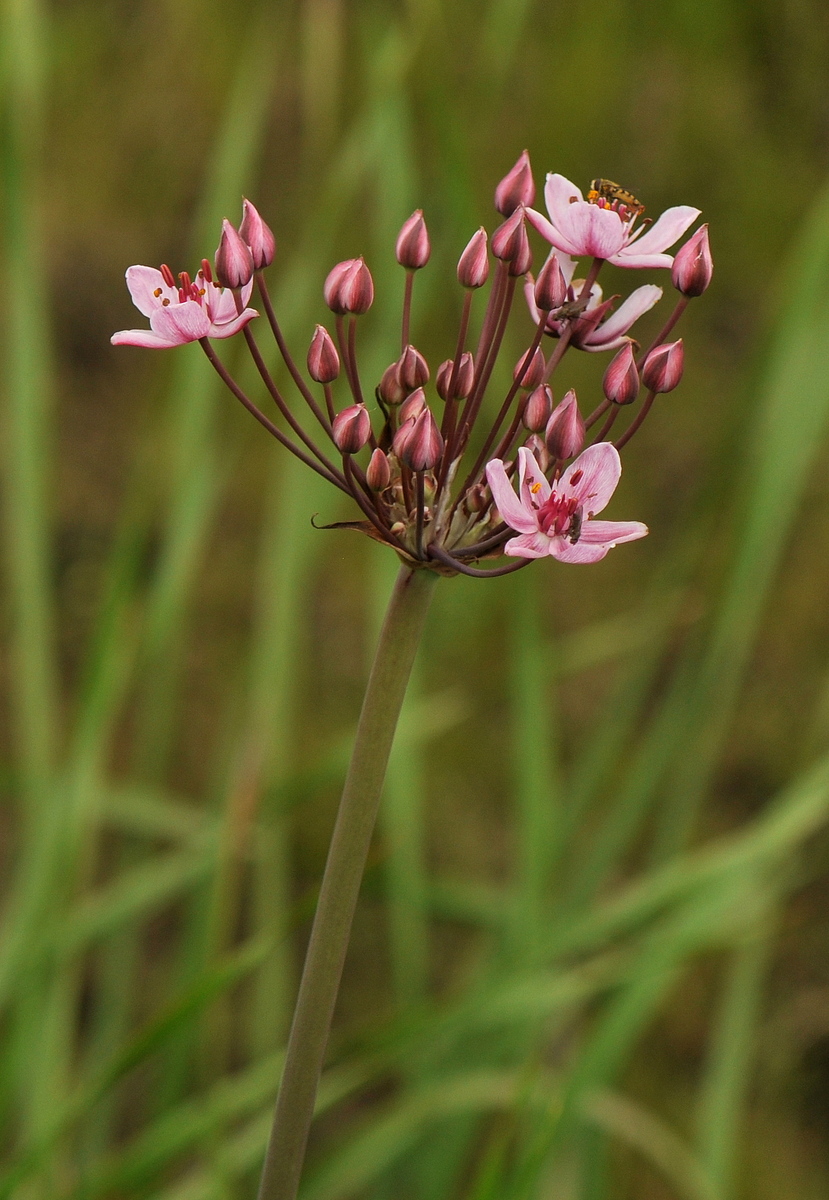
341,883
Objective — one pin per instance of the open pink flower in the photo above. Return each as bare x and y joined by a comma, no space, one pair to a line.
608,231
558,520
181,314
597,327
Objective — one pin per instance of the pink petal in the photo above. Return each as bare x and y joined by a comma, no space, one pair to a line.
228,328
550,232
628,257
180,323
594,231
531,477
638,302
509,506
558,196
141,337
530,545
611,533
142,283
582,552
601,469
664,232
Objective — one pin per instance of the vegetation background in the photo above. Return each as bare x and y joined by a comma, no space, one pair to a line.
592,957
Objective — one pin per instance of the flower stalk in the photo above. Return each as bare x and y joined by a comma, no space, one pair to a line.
347,855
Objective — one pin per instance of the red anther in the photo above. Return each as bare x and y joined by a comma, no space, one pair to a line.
167,275
413,248
473,264
516,188
575,477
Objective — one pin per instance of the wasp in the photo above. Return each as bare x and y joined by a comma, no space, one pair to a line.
574,530
606,189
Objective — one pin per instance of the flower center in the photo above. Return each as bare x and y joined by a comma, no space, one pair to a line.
560,515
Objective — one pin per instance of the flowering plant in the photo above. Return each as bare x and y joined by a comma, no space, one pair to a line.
430,482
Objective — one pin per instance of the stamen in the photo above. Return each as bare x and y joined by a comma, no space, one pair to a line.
576,476
167,275
535,487
207,270
165,302
158,292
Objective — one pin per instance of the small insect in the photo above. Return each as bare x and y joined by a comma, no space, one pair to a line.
574,531
606,189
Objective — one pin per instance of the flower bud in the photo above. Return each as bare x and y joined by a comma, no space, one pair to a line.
477,498
412,406
423,448
402,435
234,263
351,429
533,375
257,236
551,287
473,264
349,288
323,359
516,188
390,389
378,471
522,260
463,381
565,430
539,450
538,409
693,265
621,379
663,367
506,240
413,247
412,369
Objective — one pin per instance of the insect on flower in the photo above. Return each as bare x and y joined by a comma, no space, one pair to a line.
607,190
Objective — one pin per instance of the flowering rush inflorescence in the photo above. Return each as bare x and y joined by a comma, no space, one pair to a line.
431,483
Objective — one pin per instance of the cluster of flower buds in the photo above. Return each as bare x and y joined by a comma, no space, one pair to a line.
433,467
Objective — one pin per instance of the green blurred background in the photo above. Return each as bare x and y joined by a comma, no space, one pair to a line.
591,958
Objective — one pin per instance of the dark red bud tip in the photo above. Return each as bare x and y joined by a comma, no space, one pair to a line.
473,264
663,367
413,247
423,448
257,236
323,359
621,379
463,380
693,265
351,429
538,409
378,471
551,287
412,369
412,406
516,188
529,375
390,390
349,288
234,264
565,432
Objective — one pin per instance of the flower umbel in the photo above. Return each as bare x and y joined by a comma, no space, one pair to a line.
402,450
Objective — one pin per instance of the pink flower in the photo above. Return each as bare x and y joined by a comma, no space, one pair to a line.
599,230
181,314
558,520
597,327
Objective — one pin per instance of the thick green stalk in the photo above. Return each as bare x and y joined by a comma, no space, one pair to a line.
341,883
